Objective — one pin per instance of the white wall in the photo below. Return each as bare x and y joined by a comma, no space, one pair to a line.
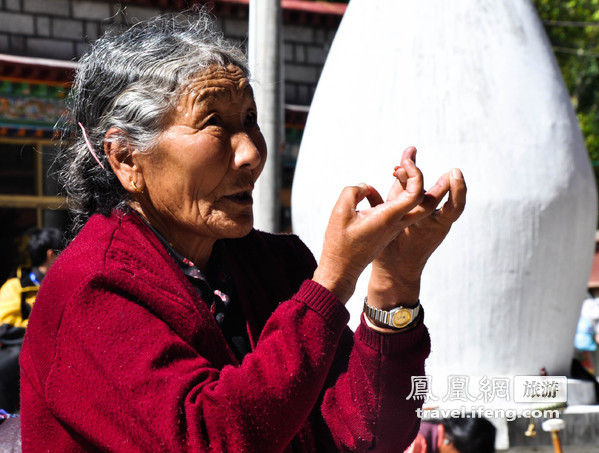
472,84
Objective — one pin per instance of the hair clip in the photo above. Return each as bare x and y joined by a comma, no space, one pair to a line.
89,145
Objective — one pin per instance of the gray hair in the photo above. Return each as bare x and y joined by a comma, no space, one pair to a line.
132,81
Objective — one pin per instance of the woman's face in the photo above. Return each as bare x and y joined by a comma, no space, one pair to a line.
198,180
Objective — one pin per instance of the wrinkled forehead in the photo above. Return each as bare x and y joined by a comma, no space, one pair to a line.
225,83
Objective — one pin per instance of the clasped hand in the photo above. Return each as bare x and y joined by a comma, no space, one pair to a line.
396,235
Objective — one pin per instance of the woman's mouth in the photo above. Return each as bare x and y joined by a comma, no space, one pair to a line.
244,197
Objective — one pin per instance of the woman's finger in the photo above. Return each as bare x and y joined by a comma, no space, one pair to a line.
374,198
415,181
401,175
409,153
345,208
455,204
400,172
390,214
432,198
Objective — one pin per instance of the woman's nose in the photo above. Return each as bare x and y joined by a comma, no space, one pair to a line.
247,152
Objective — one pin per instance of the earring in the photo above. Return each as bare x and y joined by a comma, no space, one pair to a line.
136,188
446,441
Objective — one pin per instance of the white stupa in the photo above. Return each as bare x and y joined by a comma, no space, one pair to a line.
472,84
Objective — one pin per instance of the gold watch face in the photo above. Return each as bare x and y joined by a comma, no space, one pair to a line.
402,318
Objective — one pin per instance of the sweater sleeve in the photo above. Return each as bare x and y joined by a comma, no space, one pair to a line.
366,407
365,402
124,381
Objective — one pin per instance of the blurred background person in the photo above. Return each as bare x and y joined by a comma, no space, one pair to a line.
587,332
17,296
455,435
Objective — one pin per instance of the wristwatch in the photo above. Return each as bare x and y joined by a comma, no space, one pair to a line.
397,318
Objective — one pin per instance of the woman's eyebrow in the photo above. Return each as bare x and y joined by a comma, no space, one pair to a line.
194,107
209,95
198,100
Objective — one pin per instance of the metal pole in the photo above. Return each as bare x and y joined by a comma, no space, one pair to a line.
264,54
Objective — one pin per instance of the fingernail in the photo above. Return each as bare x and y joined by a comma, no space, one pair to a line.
456,173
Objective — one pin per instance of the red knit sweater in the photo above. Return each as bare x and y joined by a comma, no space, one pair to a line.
121,355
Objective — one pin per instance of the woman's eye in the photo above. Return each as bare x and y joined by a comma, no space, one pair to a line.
251,119
214,120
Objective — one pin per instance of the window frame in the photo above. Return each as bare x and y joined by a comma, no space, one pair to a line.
38,201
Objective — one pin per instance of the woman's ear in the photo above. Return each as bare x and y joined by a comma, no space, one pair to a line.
123,160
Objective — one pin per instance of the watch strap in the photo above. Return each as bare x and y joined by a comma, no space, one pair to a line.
396,318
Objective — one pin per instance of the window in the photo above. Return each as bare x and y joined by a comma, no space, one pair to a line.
29,196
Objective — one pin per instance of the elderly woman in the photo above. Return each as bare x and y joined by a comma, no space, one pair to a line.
169,323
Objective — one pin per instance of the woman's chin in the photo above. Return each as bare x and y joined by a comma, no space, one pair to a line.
237,228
